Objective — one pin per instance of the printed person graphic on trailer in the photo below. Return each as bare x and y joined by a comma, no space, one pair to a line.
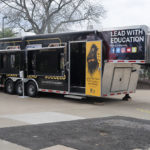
92,59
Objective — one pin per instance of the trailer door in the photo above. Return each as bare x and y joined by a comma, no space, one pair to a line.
77,55
85,67
93,68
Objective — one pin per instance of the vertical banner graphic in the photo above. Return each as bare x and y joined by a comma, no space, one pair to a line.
93,68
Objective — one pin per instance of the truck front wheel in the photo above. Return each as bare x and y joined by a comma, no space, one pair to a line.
31,89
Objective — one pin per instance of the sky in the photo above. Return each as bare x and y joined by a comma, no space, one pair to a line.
126,13
120,13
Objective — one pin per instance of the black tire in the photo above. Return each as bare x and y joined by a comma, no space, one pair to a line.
9,87
18,88
31,89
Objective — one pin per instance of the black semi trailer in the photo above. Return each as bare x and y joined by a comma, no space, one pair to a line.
89,63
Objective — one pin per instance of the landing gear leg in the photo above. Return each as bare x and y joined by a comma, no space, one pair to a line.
126,97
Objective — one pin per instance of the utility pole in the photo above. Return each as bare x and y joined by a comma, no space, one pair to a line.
3,26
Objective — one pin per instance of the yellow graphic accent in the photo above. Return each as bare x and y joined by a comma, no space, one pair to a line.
44,40
11,42
12,75
32,76
56,77
48,77
93,68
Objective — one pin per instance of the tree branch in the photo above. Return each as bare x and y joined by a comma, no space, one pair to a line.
68,21
49,15
13,7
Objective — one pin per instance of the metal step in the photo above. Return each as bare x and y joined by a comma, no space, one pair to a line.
74,96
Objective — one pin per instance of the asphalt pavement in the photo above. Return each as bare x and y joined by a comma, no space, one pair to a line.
52,122
110,133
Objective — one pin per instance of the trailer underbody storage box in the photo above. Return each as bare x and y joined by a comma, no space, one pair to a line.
119,78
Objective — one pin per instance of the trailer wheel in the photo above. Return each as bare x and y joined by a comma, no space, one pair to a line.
31,89
9,86
18,88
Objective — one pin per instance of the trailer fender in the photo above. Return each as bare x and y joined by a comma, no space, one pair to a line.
13,79
33,80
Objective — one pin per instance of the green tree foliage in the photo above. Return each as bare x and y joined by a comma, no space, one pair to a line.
7,33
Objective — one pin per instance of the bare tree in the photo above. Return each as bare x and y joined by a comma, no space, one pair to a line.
41,16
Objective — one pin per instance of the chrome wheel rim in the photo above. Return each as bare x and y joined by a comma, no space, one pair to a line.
31,89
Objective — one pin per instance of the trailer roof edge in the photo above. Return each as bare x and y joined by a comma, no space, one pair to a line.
11,38
144,27
59,33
